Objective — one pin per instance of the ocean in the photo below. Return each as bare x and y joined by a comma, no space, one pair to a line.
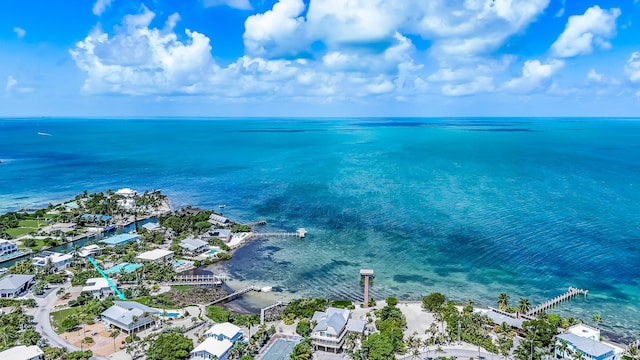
467,207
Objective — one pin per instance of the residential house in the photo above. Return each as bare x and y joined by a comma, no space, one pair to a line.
22,352
129,316
120,239
584,339
219,340
194,246
151,226
7,248
126,192
58,260
13,285
215,219
222,234
90,250
95,218
331,329
99,287
156,255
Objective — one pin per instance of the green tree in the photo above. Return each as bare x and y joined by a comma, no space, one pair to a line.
597,318
302,351
433,301
378,347
524,305
503,301
30,242
8,334
391,301
30,337
170,346
22,267
304,327
114,334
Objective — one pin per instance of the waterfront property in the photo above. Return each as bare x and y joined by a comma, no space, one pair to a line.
219,340
62,227
58,260
126,267
222,234
120,239
7,248
13,285
498,317
22,352
99,287
156,255
331,329
218,220
96,217
151,226
126,192
90,250
194,246
129,316
584,339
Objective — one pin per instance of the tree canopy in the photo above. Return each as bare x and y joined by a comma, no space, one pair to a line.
170,347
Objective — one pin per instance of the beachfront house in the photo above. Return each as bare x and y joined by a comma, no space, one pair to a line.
126,192
498,317
22,352
13,285
99,287
332,327
129,316
7,248
222,234
59,261
156,255
90,250
193,246
120,239
224,331
215,219
585,339
219,340
152,226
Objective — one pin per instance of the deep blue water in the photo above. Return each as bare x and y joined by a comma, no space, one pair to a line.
468,207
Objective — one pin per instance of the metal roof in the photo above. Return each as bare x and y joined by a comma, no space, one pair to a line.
586,345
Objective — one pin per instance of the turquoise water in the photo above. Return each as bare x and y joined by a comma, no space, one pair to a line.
468,207
212,251
178,263
171,315
128,268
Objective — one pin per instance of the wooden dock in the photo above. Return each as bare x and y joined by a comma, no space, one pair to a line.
236,294
570,294
197,280
301,232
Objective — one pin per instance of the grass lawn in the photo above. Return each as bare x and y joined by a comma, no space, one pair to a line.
15,232
49,216
145,300
58,316
31,223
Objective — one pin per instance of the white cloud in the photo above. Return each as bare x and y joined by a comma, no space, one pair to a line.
236,4
535,75
20,32
593,75
632,67
478,85
12,86
100,6
276,30
583,32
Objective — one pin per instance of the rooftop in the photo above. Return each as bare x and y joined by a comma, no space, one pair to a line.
95,284
124,311
151,226
155,254
21,352
226,329
499,318
331,321
120,239
128,268
192,244
585,331
586,345
96,217
214,347
14,281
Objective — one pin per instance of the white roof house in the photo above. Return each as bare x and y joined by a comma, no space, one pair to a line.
152,226
585,331
7,247
59,260
129,315
89,250
194,245
22,352
217,219
156,255
98,286
126,192
225,331
330,330
13,285
211,347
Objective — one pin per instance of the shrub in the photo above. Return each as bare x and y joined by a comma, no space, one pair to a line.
391,301
433,301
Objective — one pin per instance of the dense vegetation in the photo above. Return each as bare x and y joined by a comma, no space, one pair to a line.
170,346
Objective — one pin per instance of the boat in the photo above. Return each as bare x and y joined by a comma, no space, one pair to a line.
110,228
222,206
44,134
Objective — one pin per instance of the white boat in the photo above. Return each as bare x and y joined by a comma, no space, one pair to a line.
43,134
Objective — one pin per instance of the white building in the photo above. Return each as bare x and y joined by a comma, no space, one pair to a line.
129,316
7,247
99,287
586,340
224,331
58,260
13,285
126,192
22,352
156,255
332,327
194,246
219,340
222,234
152,226
90,250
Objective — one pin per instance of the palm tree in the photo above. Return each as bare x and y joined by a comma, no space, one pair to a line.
597,318
563,348
114,334
524,305
578,355
503,301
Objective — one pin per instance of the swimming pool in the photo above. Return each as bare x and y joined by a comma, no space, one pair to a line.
212,251
128,268
171,315
178,263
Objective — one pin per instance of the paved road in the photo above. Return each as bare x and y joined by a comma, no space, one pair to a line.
43,323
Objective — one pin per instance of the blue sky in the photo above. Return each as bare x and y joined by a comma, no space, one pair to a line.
320,58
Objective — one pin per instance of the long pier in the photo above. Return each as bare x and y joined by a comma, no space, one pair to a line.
236,294
301,232
197,280
570,294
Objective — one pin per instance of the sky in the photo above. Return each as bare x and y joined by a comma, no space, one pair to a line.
320,58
